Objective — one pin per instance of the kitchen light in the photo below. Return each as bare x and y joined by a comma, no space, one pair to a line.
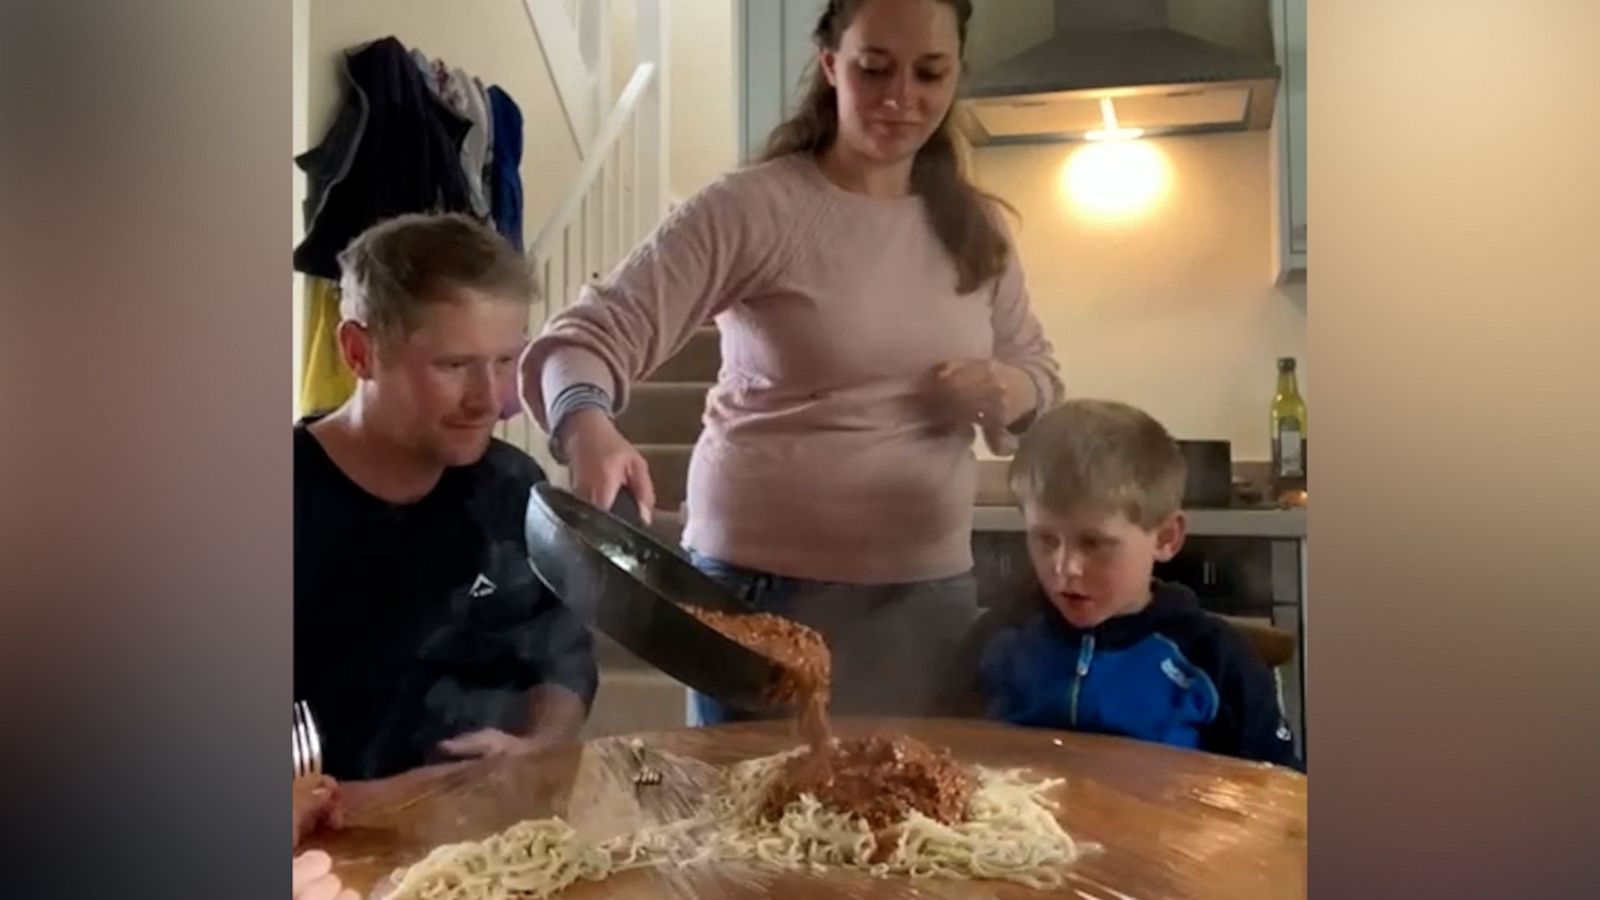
1115,179
1108,115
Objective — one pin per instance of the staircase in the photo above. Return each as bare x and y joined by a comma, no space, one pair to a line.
663,420
619,193
614,202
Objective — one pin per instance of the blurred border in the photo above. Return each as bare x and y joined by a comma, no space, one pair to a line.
145,396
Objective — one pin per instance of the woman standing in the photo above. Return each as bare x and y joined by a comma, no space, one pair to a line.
873,315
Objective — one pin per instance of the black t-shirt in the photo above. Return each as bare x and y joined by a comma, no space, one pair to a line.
419,622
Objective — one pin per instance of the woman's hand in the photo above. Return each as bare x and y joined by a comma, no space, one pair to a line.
314,878
982,392
602,462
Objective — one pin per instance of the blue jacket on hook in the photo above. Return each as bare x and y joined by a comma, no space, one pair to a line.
1170,673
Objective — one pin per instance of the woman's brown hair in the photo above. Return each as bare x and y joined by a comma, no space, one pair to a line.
959,212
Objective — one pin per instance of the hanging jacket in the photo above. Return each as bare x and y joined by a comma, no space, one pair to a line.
393,148
483,174
475,147
1169,673
461,94
505,174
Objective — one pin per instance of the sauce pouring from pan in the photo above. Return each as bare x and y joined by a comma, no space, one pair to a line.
627,584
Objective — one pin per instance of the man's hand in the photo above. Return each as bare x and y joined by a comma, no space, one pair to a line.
314,804
557,715
490,742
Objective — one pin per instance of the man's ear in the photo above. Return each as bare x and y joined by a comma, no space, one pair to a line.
1170,535
357,348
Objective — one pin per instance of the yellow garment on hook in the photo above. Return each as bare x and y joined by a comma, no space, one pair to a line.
325,380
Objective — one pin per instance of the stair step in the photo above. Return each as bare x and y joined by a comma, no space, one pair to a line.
669,470
608,654
667,524
699,361
664,413
994,488
634,700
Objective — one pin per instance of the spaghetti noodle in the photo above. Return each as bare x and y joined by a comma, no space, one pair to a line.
1008,831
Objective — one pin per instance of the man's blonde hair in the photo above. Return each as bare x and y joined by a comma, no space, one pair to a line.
1100,454
396,267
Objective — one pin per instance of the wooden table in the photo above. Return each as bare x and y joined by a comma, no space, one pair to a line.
1172,823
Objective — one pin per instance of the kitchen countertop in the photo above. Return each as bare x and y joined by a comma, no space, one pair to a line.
1287,524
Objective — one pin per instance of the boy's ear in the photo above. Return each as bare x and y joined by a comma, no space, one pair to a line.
1170,535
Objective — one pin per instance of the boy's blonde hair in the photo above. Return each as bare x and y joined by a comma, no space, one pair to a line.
397,266
1101,454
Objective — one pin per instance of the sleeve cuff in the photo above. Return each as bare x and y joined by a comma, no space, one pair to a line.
567,367
570,400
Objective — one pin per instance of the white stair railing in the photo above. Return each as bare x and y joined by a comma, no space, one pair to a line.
573,40
615,200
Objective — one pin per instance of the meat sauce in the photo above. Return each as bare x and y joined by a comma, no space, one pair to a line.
800,653
879,779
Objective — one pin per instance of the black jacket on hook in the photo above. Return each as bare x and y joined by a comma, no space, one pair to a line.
392,149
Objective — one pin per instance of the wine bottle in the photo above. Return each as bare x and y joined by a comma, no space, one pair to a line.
1288,436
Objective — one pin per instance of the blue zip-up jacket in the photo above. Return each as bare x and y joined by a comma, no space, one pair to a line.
1169,673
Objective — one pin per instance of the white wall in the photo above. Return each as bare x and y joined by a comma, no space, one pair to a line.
1244,25
624,55
491,39
1175,311
703,88
704,93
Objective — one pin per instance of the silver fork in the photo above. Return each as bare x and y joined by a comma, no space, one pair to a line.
307,742
643,775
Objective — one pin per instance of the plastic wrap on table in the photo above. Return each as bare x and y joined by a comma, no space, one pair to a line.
1169,823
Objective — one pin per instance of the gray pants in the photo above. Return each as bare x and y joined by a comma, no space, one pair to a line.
896,648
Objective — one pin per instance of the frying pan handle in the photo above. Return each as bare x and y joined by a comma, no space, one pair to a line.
626,507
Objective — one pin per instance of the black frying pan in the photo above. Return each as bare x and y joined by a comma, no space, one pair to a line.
623,581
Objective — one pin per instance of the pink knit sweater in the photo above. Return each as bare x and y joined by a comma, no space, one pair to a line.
818,458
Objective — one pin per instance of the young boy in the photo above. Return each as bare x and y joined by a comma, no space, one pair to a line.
1112,650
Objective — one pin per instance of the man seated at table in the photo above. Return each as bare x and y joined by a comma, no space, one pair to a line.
421,633
1105,647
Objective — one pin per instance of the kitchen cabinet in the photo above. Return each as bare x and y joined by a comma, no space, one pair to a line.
773,58
1289,139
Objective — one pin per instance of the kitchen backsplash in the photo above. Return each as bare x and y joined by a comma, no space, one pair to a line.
1173,308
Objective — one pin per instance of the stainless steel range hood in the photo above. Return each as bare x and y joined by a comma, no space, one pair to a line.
1158,81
